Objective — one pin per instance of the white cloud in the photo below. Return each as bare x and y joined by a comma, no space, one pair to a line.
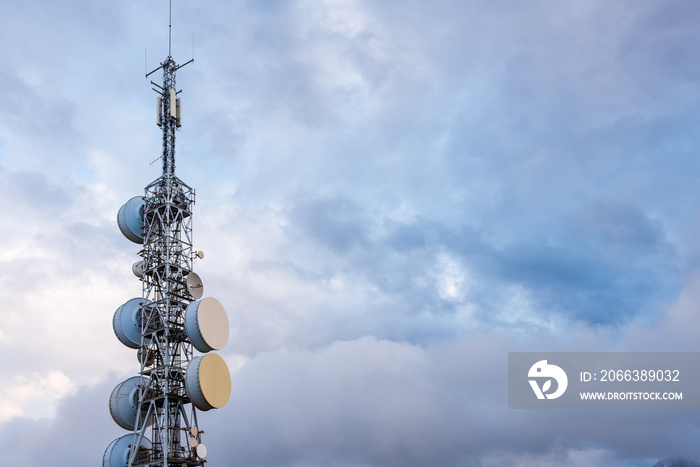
34,395
451,280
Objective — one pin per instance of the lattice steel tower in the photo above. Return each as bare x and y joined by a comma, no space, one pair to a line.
169,321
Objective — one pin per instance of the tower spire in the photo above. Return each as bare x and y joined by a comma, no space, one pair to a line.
169,116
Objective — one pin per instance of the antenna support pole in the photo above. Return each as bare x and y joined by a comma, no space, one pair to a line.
170,29
169,117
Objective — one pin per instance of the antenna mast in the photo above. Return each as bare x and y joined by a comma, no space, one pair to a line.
170,29
170,320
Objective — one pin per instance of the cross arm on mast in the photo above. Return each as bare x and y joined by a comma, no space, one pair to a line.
150,73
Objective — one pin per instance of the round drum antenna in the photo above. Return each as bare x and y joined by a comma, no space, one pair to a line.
206,324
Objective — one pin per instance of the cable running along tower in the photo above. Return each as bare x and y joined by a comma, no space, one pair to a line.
170,321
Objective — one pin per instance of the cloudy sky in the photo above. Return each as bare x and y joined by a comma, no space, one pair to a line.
391,196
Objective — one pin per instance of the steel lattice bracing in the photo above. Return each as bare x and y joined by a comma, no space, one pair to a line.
171,420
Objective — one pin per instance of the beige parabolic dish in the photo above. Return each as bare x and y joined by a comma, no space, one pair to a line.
213,323
214,380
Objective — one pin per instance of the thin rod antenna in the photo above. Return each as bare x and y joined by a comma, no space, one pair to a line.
170,30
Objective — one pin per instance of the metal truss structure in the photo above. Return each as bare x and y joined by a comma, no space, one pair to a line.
164,407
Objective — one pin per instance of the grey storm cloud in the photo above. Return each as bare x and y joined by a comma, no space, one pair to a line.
374,402
587,278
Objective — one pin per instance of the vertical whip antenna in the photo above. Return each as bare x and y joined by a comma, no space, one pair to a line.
170,30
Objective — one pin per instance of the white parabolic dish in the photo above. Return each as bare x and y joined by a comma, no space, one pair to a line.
137,268
194,285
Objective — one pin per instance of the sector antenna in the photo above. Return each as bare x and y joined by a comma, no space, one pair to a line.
172,328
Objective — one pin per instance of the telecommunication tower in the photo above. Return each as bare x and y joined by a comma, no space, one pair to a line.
170,320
